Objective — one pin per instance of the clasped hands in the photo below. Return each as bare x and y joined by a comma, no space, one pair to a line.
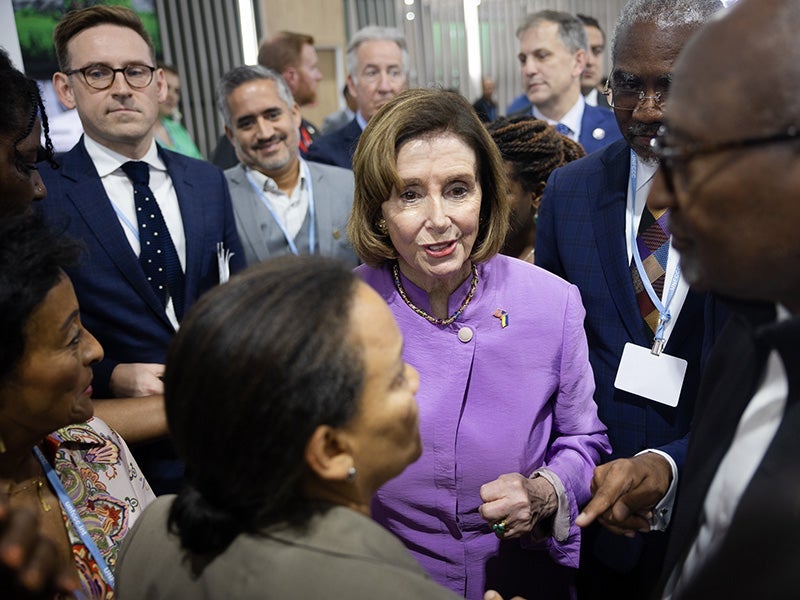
524,505
625,492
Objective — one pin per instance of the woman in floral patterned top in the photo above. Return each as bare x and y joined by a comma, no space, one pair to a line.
57,461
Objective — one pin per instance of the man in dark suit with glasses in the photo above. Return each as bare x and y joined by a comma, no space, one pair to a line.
647,331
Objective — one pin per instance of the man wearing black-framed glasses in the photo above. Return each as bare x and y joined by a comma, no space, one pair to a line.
730,175
150,219
647,331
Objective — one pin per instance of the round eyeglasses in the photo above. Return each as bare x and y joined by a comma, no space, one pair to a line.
671,156
623,98
101,77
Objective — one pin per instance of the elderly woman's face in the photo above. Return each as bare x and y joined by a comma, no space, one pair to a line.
51,386
20,183
384,434
433,218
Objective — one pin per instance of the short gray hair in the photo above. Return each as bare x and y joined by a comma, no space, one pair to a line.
374,33
666,14
570,28
241,75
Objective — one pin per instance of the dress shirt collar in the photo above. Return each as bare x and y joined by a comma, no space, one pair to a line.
266,183
106,161
362,122
571,119
645,171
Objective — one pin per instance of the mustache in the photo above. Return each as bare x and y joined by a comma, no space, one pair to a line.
271,140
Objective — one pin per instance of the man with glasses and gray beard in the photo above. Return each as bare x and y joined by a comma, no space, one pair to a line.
153,222
648,332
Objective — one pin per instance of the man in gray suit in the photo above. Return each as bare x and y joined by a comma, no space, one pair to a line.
281,203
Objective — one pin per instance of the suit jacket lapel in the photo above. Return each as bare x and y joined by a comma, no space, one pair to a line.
193,219
91,201
259,226
609,199
323,214
770,502
723,396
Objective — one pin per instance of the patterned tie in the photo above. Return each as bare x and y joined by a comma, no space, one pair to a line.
563,129
653,243
158,257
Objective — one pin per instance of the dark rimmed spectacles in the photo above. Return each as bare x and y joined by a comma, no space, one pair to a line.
101,77
671,154
623,98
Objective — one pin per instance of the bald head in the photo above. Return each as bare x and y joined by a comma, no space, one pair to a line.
731,154
753,86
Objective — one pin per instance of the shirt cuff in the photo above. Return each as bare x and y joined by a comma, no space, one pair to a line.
662,513
561,522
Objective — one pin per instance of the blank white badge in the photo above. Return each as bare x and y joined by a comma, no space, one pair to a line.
656,377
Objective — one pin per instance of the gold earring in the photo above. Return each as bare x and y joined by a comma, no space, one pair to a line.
382,226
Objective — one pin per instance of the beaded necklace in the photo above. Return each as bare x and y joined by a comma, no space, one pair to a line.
422,313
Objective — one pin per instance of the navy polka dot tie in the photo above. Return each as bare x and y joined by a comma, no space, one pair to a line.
158,256
563,129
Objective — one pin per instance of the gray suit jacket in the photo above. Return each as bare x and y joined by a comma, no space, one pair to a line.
341,554
260,235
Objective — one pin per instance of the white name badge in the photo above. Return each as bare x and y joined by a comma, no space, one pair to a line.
656,377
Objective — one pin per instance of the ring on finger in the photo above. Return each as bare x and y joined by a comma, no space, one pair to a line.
500,528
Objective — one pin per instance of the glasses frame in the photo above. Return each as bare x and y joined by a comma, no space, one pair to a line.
114,72
668,155
658,99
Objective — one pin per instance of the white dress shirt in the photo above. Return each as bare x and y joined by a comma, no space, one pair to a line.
572,118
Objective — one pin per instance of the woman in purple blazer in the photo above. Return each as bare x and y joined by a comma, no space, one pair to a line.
509,428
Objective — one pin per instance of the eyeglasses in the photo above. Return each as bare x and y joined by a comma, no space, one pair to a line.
101,77
623,98
670,156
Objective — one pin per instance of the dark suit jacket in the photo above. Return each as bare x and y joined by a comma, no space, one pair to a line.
337,148
117,303
580,236
759,555
598,127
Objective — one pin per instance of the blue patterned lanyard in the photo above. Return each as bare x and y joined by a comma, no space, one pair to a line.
311,226
663,308
73,515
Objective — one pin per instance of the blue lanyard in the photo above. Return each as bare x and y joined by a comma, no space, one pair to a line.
663,308
311,226
125,221
73,515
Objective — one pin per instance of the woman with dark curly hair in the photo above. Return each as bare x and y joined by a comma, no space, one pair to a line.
531,150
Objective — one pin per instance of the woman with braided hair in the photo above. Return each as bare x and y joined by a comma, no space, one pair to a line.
531,150
21,127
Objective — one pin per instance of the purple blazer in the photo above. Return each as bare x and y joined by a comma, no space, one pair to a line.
511,399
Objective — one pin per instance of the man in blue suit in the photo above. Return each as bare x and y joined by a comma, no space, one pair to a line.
552,56
107,71
587,221
377,65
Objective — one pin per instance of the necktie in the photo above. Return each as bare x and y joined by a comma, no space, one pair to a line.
563,129
158,257
652,240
